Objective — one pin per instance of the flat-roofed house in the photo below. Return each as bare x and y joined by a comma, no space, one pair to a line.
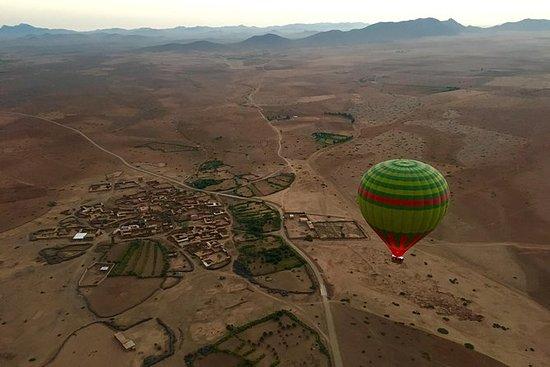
127,344
80,236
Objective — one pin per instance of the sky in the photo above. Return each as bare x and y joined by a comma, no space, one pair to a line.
94,14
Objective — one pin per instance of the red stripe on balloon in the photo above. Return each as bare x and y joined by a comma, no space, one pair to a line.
413,203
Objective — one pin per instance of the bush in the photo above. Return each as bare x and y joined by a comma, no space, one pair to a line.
205,182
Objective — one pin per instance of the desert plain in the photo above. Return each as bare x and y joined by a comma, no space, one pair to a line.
217,193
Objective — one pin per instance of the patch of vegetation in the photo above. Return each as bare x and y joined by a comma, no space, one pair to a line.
122,262
326,139
265,255
469,346
443,331
244,191
281,181
265,187
345,115
140,260
167,147
210,165
449,89
203,183
154,359
278,117
255,217
242,353
56,255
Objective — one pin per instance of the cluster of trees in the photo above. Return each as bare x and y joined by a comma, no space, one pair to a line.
256,223
203,183
345,115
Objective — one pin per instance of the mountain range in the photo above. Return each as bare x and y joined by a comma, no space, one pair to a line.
213,39
219,34
376,33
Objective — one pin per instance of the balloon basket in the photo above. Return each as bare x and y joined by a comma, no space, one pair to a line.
397,259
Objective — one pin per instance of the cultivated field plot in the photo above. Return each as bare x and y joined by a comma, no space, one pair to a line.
142,258
95,345
326,139
295,280
215,175
304,135
279,339
56,255
165,147
179,263
266,186
340,229
265,255
255,217
115,295
211,165
95,274
309,226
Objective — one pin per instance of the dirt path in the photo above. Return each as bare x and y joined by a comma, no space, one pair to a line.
332,338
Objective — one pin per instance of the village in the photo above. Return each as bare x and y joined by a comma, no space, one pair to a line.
146,230
192,221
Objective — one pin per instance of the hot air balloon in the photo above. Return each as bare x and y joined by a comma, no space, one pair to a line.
403,200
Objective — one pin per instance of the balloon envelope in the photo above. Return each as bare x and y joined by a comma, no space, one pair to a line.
403,200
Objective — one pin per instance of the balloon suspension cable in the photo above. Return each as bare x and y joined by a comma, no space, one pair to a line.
397,259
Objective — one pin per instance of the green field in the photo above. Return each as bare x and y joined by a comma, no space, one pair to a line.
203,183
278,339
142,258
267,186
255,217
265,255
326,139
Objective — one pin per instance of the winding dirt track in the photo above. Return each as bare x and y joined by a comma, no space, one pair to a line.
332,337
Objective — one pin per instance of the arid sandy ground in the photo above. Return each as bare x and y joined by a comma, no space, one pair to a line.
475,108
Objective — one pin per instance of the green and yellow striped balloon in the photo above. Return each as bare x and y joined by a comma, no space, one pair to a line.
403,200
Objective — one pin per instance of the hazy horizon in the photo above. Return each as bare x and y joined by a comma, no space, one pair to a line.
88,15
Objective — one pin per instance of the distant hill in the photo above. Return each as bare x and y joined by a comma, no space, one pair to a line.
23,30
48,43
526,25
387,31
204,46
266,41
